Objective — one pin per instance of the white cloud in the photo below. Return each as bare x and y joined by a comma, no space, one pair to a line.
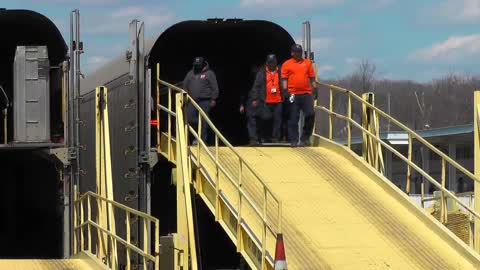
296,5
318,43
325,69
377,4
80,2
384,3
453,49
117,21
96,60
352,61
454,11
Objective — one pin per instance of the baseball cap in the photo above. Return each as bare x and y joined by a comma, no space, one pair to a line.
198,61
297,48
271,58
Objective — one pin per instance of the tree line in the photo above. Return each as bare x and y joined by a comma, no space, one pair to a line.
443,102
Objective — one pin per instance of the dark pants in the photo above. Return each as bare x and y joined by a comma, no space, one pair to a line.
192,116
285,115
304,103
252,121
274,115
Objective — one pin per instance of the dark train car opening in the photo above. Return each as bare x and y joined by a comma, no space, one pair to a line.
28,28
30,187
217,252
234,49
30,206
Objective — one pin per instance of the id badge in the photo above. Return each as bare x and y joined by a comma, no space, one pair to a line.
274,90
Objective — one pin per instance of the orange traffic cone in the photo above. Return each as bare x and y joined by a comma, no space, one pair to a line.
280,258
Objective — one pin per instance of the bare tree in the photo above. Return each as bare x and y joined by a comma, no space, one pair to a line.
364,74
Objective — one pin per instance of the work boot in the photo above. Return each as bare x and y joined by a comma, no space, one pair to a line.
294,144
304,143
253,142
274,140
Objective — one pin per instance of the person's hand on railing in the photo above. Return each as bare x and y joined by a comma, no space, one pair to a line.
242,109
213,103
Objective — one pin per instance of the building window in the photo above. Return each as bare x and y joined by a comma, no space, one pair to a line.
464,151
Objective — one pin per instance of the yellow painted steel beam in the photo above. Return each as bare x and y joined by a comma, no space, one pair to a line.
185,221
106,218
476,138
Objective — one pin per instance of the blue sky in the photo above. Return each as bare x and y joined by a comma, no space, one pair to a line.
406,39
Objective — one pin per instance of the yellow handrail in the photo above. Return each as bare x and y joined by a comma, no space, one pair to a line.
402,157
408,160
217,133
405,128
113,237
230,178
269,197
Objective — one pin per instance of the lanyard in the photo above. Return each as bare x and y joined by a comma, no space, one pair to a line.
272,76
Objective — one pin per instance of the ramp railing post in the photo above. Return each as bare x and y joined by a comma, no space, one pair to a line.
127,222
330,116
443,199
89,219
169,125
349,124
217,182
157,245
476,135
145,242
409,168
239,219
157,108
264,228
365,125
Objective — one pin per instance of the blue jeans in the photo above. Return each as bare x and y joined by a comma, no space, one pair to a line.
303,102
273,112
252,115
192,116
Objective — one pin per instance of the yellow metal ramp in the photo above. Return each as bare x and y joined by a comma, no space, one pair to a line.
81,261
334,209
340,214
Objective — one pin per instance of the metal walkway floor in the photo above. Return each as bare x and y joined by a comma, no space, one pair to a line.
339,214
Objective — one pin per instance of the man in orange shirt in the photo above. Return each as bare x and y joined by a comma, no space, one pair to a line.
298,79
267,99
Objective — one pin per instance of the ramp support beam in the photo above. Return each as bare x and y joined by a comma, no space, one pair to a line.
476,134
371,149
104,173
185,221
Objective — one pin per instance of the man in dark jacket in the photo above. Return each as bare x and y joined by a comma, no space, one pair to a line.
267,97
201,84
